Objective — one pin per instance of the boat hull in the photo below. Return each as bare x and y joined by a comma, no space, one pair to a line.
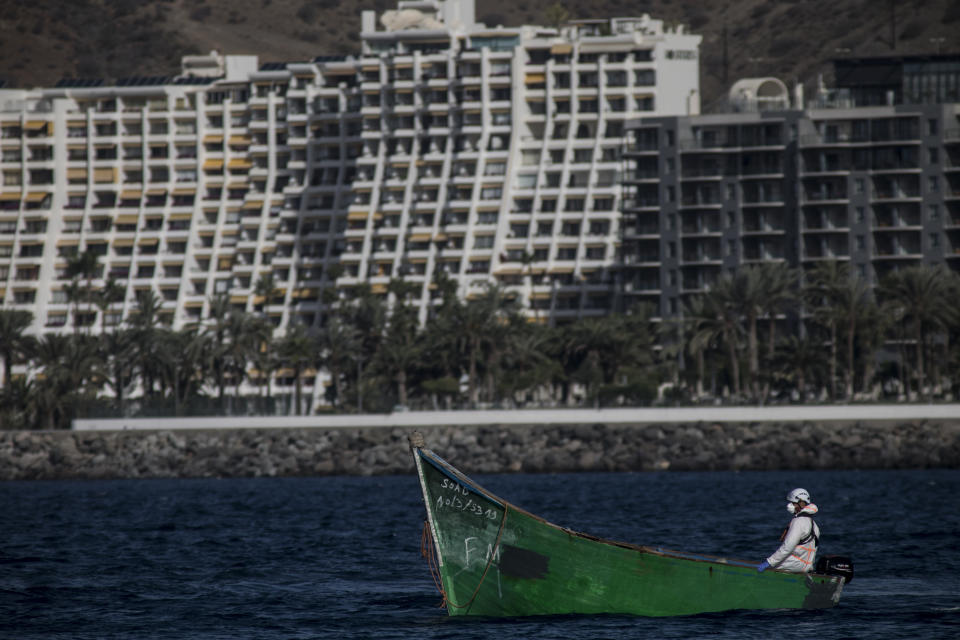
495,559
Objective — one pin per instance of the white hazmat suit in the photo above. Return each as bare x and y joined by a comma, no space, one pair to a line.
798,551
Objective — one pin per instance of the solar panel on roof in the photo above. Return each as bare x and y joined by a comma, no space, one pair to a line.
193,80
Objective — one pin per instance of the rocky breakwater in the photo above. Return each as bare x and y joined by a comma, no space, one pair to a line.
26,455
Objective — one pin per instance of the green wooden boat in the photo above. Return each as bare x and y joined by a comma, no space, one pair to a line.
492,558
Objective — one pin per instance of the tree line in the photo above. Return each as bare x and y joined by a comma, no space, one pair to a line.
766,333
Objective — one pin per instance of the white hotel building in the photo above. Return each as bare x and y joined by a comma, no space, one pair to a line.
488,153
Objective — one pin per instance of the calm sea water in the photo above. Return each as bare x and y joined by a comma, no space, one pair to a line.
339,557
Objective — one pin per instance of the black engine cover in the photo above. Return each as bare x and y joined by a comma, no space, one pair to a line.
836,566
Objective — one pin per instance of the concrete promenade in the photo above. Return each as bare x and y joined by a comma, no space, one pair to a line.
639,416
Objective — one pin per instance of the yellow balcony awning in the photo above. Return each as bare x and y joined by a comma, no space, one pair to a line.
239,163
419,237
240,140
156,192
212,163
10,195
439,237
76,174
212,138
130,195
123,242
561,49
148,241
357,215
560,270
534,78
127,219
507,271
180,216
35,196
185,191
105,175
36,125
306,292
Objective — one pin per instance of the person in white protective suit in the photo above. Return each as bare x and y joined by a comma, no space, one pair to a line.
798,548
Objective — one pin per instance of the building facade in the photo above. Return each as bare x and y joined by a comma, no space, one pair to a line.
877,187
488,154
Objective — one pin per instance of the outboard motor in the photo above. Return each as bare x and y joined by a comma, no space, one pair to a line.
841,566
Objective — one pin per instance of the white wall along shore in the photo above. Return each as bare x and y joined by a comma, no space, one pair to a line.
830,413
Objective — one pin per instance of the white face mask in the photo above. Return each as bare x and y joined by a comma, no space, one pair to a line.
791,507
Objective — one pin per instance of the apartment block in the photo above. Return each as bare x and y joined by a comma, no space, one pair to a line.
875,186
488,154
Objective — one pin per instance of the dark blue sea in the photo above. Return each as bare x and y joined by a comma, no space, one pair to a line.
340,557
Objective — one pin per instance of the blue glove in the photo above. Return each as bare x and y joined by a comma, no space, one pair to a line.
763,566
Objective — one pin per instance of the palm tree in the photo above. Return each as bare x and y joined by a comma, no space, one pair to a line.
220,316
476,324
246,335
86,267
755,291
266,363
337,343
922,296
717,320
693,320
400,349
14,345
798,361
597,349
117,358
265,288
826,279
145,322
67,367
873,327
18,404
367,313
854,305
183,360
528,361
110,293
778,282
297,350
